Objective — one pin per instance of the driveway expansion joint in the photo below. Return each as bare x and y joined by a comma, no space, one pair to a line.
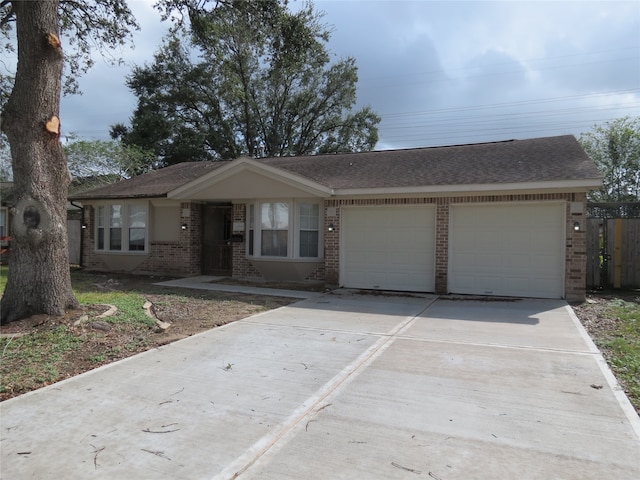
319,401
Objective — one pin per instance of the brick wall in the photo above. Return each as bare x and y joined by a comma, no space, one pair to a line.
575,245
184,257
242,269
576,249
331,242
181,258
442,246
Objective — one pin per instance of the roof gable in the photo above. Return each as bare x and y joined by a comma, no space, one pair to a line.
246,177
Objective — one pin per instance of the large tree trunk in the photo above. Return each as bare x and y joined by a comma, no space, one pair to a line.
39,280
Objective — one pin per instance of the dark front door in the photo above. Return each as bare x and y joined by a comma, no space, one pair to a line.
216,248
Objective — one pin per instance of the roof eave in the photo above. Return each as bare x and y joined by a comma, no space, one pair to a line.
115,197
560,185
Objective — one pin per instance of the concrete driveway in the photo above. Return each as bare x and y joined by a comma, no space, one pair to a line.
347,386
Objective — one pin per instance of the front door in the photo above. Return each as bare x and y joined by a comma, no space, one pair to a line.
216,248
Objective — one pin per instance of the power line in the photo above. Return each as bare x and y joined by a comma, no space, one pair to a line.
514,104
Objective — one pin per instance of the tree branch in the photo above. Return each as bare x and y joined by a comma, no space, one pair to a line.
10,16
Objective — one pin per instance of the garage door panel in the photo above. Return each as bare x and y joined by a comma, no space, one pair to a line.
360,257
510,237
517,262
376,240
487,261
511,250
544,242
463,260
398,257
388,248
487,284
544,264
418,260
551,284
408,243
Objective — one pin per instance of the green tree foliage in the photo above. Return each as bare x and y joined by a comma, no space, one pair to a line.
94,163
615,148
253,78
39,280
6,175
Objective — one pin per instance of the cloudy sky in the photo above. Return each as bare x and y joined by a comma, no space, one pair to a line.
443,73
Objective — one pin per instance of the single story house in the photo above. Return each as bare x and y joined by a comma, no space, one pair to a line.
501,218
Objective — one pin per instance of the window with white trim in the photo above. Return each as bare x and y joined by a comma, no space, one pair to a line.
309,228
137,227
115,227
287,229
122,227
274,229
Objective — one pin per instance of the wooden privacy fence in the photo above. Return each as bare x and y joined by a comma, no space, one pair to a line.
613,245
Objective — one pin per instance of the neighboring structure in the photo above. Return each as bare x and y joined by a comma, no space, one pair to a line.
504,218
6,202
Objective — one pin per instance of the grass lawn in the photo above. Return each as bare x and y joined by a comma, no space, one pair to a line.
621,346
45,349
46,355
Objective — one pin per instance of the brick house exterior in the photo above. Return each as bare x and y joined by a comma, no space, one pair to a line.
539,172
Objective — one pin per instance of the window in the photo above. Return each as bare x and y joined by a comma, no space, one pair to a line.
274,226
100,233
309,234
137,227
121,227
288,229
115,227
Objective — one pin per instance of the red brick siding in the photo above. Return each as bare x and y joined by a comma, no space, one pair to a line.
241,267
576,251
331,243
182,258
575,246
442,246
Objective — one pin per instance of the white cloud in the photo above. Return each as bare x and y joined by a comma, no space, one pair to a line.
446,72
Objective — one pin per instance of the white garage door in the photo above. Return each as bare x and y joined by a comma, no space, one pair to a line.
507,250
388,248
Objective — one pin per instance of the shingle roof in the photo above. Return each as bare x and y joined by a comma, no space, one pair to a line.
515,161
153,184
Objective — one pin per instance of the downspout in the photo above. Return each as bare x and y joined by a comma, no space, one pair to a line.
82,227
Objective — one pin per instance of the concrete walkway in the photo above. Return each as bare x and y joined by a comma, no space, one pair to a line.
342,386
208,282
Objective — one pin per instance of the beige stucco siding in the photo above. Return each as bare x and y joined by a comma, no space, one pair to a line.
165,221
